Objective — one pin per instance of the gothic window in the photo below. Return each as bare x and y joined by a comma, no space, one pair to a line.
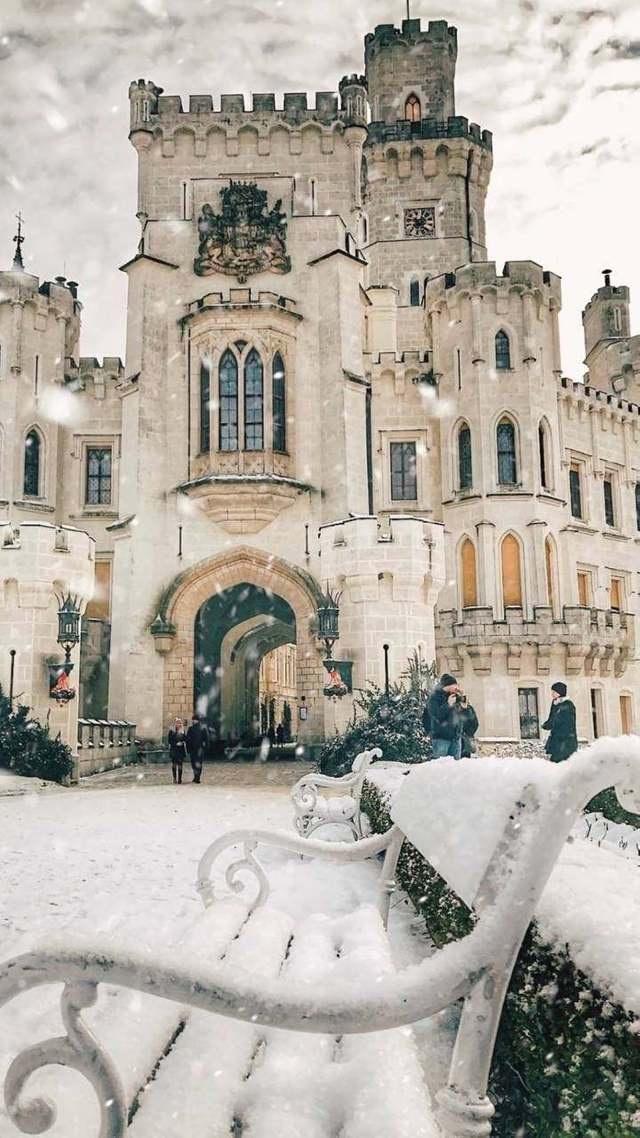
414,293
253,402
609,509
279,404
575,491
543,455
465,462
32,465
413,109
228,377
469,574
507,465
638,505
511,572
404,479
98,485
503,351
205,399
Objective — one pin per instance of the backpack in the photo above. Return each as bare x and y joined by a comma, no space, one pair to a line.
426,720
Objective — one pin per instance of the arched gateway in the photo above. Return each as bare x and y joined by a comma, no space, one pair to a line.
245,602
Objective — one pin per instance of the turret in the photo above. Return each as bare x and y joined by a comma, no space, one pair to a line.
411,68
606,316
353,94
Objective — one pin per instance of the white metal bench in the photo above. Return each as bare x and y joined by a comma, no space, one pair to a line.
160,1067
339,805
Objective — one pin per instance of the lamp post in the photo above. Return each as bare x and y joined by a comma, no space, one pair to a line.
12,653
385,649
68,637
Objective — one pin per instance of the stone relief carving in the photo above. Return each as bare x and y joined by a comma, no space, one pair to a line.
245,238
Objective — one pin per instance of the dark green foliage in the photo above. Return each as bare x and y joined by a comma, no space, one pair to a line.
27,748
393,722
567,1059
607,803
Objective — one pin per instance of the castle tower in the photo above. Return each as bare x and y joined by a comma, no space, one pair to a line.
612,354
427,170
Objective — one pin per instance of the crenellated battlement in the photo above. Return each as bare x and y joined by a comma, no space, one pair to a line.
457,126
150,108
520,277
594,397
439,34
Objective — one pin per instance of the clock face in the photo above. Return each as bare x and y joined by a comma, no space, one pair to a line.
420,222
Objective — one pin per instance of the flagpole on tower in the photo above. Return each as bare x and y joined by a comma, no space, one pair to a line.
408,9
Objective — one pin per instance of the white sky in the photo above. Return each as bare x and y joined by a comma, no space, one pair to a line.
557,81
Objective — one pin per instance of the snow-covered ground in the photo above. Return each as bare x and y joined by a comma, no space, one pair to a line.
122,862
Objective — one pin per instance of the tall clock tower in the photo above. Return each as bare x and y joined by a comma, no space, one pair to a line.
426,168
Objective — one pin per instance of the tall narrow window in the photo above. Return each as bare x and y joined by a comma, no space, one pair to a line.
549,565
205,412
253,402
626,714
228,377
609,511
543,456
638,505
32,465
465,460
413,109
503,351
616,592
507,466
584,589
511,572
469,574
279,404
596,712
98,484
529,713
575,491
414,293
404,480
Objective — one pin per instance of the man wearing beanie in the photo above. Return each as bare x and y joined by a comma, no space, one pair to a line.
445,718
561,725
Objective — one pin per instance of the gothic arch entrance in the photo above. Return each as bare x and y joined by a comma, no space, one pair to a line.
243,603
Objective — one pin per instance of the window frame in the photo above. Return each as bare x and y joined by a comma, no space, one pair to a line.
535,692
507,421
637,498
465,476
409,444
412,101
508,604
89,449
204,403
587,575
414,293
228,405
38,493
576,468
279,404
609,500
617,591
253,403
500,355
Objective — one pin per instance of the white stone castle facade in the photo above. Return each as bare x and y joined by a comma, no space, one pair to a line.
327,385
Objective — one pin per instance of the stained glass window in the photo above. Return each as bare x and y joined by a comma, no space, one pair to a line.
404,480
253,402
205,398
465,461
279,404
503,351
98,488
32,465
507,466
228,416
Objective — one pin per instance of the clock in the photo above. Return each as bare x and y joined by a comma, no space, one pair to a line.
420,222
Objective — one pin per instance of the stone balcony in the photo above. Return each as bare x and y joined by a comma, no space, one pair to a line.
593,641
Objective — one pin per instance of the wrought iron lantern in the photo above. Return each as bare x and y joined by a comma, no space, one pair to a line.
68,624
329,620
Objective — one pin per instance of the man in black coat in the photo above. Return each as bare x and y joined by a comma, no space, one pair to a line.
561,725
445,718
197,744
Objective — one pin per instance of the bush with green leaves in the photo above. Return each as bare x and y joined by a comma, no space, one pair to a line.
392,722
28,748
566,1057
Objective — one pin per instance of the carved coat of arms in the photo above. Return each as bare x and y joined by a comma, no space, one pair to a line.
245,238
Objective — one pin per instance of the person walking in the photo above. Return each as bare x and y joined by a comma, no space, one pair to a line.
469,727
561,725
197,743
445,719
177,740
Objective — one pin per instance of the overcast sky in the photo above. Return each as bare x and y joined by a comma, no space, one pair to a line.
557,81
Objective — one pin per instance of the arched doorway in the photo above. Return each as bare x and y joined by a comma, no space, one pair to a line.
243,567
235,631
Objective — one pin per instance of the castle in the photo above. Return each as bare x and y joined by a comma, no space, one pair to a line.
329,392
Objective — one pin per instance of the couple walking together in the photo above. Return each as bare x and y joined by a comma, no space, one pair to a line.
193,742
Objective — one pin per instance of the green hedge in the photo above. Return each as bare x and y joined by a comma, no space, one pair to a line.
567,1059
27,748
607,803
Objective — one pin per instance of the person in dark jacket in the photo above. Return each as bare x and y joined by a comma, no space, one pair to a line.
561,725
197,744
177,740
445,718
469,727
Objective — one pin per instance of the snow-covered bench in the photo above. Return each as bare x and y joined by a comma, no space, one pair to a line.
339,805
345,1062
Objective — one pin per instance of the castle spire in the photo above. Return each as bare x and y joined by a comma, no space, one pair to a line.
18,241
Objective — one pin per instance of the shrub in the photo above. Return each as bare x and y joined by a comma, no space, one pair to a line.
606,803
566,1056
392,722
27,747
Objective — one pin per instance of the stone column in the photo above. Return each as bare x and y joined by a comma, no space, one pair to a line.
476,326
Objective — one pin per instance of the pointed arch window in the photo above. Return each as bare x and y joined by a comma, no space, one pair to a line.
469,574
503,351
279,404
205,401
543,455
506,442
511,572
414,293
253,402
32,448
228,386
465,459
413,109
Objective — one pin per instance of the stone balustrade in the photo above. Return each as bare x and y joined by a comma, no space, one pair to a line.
104,744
